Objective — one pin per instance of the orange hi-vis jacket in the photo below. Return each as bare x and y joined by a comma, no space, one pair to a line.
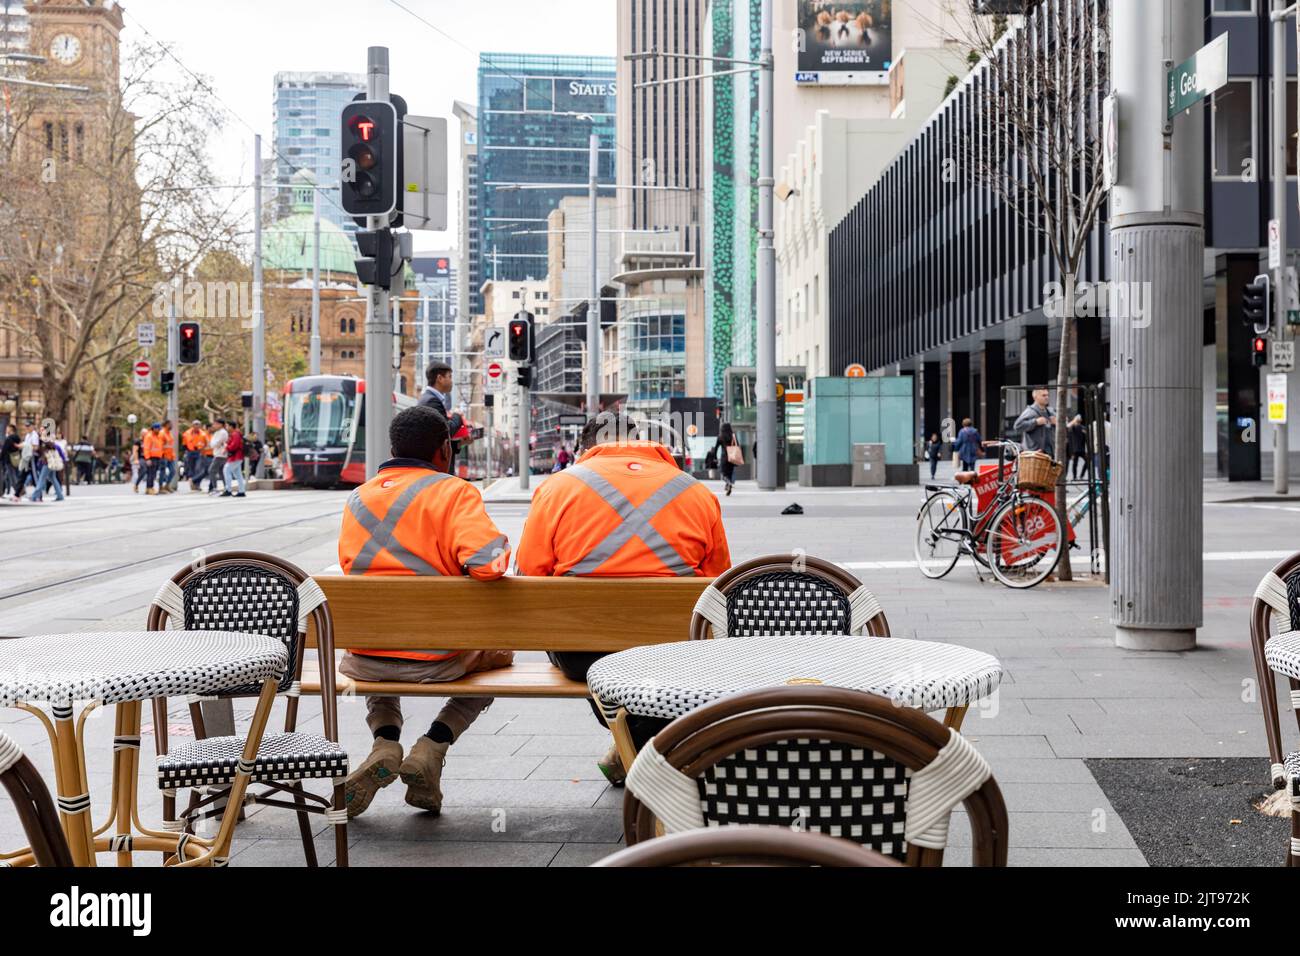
411,519
624,510
169,445
153,444
195,439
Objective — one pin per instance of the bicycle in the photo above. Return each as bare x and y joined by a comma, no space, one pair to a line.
1017,536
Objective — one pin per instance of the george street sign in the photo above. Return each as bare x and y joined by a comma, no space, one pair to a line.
1196,78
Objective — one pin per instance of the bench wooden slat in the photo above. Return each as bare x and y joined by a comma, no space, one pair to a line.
523,679
514,613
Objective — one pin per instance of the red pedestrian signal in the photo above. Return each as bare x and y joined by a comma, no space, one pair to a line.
520,338
1259,352
370,146
190,350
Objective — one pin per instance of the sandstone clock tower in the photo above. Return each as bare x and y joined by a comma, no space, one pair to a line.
80,40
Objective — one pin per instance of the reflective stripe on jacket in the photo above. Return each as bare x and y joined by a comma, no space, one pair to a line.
410,519
624,510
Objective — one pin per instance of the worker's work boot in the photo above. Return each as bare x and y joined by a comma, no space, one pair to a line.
421,771
376,772
611,765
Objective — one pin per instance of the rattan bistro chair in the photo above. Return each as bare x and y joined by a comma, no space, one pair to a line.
836,761
35,808
1275,641
747,846
786,594
259,594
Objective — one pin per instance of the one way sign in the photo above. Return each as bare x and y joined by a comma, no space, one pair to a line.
494,342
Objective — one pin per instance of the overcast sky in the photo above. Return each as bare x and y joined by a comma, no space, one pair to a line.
241,44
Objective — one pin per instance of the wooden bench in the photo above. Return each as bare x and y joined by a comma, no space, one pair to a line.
515,613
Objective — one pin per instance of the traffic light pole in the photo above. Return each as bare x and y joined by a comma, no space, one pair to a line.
259,315
379,324
525,430
1281,463
174,397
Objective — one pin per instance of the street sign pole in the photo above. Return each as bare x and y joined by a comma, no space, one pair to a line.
1157,240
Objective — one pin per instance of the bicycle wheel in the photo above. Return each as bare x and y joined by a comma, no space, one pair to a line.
1024,542
939,534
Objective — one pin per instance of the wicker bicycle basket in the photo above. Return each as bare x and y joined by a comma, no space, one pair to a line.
1036,471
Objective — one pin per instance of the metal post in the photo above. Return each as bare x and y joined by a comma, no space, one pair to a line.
425,360
1156,245
525,429
315,285
259,316
593,304
174,398
1281,463
487,467
379,324
766,455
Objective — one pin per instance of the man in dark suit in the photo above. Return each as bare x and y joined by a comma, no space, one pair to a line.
437,394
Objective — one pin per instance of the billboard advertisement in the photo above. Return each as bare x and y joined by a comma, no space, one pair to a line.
844,42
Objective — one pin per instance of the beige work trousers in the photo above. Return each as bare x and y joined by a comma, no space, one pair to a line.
458,713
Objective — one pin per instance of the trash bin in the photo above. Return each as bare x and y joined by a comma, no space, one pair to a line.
868,466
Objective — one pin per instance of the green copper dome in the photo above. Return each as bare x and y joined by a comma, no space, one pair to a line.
288,245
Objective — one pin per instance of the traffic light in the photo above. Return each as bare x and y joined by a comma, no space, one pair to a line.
375,267
167,382
520,337
370,145
1259,352
190,350
525,376
1256,305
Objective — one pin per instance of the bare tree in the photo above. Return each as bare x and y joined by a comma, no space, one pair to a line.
1037,145
105,194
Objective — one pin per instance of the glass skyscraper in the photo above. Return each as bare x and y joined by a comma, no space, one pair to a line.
306,122
536,114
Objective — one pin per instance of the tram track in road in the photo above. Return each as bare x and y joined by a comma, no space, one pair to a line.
155,558
88,542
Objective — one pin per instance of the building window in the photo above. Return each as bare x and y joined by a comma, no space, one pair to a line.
343,326
352,326
1233,131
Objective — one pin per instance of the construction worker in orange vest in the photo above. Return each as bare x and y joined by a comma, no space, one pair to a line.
153,456
624,509
414,518
168,460
195,439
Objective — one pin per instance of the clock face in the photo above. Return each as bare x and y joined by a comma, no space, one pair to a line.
66,49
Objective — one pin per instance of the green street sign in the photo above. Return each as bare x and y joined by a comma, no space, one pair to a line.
1196,78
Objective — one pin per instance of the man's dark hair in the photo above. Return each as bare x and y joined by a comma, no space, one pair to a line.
435,370
418,432
605,428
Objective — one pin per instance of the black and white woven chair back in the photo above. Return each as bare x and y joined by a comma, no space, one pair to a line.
829,786
786,602
818,785
248,598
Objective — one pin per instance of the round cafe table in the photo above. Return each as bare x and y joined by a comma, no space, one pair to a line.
124,669
669,680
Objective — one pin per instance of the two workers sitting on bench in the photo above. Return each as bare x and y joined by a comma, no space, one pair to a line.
623,510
